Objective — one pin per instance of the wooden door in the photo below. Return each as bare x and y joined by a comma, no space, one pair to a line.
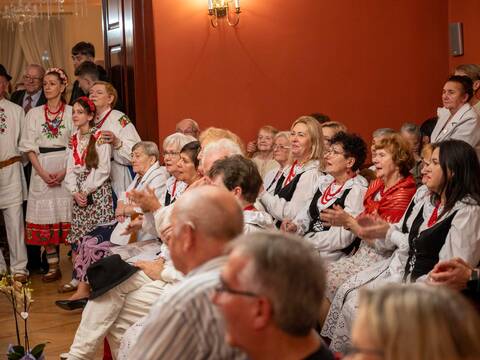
129,52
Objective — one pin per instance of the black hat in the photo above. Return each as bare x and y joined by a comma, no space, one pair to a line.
3,72
107,273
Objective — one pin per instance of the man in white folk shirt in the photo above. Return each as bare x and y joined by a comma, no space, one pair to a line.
12,186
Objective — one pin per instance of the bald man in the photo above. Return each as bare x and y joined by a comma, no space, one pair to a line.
183,324
196,249
188,127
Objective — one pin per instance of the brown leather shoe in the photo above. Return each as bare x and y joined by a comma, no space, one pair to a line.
52,275
20,277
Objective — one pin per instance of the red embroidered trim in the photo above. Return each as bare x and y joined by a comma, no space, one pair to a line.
100,123
53,129
291,173
249,207
434,217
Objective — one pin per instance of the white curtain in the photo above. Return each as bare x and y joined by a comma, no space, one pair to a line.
41,42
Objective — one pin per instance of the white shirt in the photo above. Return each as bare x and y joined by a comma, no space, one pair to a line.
96,176
11,123
281,209
330,242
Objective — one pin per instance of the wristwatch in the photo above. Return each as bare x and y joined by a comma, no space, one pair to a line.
473,284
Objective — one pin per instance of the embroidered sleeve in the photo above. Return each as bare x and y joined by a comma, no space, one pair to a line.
124,121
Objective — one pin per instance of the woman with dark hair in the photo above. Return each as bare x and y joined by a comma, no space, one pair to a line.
45,139
441,225
457,119
341,187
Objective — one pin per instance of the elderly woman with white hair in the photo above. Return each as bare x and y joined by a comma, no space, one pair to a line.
97,244
171,155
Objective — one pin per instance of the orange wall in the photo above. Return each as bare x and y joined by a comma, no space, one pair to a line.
370,63
466,12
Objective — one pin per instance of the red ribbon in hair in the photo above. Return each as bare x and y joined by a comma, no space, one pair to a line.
89,102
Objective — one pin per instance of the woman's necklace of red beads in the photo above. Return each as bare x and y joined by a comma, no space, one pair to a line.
328,194
55,122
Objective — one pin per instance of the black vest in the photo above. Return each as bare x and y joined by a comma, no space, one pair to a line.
424,247
316,225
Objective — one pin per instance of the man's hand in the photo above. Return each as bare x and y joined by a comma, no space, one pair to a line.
153,269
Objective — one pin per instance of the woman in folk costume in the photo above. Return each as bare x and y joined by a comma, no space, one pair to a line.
172,145
117,130
296,186
457,119
343,187
441,223
388,197
45,139
88,175
96,244
12,182
281,154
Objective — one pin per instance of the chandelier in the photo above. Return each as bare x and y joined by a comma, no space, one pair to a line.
25,12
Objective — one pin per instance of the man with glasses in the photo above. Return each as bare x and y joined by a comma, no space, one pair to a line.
269,294
33,95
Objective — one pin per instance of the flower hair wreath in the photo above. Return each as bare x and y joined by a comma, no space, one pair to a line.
61,74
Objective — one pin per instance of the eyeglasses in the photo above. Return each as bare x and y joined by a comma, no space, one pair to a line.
171,153
31,78
333,151
223,287
280,147
353,350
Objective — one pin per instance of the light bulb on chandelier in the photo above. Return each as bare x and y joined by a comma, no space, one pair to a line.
218,9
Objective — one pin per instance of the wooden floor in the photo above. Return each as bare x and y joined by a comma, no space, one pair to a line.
47,323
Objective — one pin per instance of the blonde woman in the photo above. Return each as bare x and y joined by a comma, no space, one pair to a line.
116,129
298,183
414,322
261,150
281,154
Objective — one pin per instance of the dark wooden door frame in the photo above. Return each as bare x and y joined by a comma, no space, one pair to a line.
138,71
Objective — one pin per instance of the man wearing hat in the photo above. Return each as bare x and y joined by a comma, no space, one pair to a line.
12,186
183,323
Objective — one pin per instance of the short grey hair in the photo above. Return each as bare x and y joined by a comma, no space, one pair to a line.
275,261
227,145
284,134
383,132
178,140
411,128
148,147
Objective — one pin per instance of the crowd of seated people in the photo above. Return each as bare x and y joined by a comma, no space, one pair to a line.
295,246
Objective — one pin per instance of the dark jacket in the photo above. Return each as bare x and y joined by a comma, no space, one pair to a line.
18,96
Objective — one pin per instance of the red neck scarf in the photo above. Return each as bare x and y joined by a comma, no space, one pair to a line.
291,173
394,201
